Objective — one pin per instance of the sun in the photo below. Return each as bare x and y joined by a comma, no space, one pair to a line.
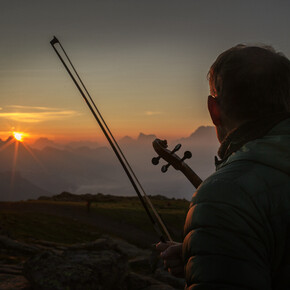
18,136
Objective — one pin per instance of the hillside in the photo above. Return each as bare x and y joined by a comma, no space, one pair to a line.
53,218
57,240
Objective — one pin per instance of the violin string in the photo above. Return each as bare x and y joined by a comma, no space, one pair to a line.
127,167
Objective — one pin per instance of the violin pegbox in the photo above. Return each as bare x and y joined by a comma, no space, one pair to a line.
160,147
163,143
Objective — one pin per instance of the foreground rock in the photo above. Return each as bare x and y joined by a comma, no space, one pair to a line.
76,270
11,245
104,264
15,282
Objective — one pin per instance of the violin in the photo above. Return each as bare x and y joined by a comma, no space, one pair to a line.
160,147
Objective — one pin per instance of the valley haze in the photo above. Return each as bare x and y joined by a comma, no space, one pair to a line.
49,168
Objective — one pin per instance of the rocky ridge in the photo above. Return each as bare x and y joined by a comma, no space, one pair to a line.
105,263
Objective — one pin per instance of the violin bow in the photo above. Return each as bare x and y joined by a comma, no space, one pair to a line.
159,226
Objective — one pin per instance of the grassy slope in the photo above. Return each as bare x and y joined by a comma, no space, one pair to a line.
27,225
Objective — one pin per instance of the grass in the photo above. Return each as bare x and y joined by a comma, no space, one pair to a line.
172,212
24,225
27,225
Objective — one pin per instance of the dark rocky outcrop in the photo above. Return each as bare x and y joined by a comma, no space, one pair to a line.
10,245
102,264
80,269
13,282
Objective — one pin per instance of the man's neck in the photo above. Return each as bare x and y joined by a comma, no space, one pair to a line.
248,131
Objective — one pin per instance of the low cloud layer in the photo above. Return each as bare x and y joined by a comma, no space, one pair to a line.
82,167
29,114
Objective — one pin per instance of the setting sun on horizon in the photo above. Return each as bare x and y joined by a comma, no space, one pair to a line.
18,136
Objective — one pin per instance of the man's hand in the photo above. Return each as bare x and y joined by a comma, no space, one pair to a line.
170,252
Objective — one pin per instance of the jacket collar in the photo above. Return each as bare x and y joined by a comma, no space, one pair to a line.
247,132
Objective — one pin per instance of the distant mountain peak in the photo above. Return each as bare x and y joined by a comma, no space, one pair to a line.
202,131
205,135
3,142
126,138
43,142
145,137
9,139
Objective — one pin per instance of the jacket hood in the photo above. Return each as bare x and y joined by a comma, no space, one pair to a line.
271,150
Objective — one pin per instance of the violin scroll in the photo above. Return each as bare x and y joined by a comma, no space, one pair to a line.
160,147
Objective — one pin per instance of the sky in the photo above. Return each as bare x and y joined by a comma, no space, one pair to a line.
143,61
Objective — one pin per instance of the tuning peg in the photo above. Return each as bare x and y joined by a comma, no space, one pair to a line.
176,148
164,168
187,155
155,160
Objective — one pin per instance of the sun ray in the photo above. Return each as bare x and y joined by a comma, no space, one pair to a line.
34,157
16,139
7,144
14,166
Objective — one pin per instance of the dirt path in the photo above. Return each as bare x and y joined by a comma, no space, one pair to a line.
104,225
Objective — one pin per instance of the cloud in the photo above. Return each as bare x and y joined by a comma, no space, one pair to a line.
152,113
32,108
30,114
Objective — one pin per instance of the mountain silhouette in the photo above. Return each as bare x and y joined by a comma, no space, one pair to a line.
145,138
14,187
44,142
84,169
203,135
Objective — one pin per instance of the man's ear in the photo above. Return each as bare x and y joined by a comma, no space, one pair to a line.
214,110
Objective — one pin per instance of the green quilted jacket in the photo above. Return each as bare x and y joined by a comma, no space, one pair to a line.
237,230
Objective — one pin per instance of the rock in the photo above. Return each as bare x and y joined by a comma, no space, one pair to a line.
76,270
159,287
48,244
130,250
163,275
15,246
103,264
107,243
136,281
9,282
97,245
10,269
141,264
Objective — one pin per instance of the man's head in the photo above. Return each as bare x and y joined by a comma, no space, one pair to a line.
247,82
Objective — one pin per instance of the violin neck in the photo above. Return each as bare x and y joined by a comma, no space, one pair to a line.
191,175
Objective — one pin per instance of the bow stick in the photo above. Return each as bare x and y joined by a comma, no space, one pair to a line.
160,226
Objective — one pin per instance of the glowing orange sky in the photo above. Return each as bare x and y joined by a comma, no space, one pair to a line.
144,62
